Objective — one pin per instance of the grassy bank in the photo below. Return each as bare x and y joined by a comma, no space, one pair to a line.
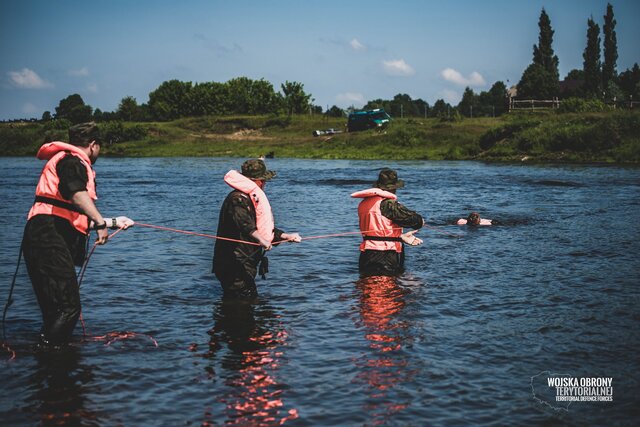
547,136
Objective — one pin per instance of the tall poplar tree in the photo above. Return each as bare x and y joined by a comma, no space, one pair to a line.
541,78
543,52
592,64
610,43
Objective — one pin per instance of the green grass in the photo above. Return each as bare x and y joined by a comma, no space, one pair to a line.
547,136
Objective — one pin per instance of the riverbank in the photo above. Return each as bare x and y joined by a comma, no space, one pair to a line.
611,137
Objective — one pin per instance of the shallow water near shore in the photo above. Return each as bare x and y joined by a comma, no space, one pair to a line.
458,339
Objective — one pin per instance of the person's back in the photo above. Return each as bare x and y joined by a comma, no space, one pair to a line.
57,228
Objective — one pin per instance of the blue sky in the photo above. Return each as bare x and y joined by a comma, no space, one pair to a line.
344,52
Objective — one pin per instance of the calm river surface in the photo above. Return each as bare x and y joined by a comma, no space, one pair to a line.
465,337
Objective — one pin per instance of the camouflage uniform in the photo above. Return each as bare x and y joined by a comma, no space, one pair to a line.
389,263
236,264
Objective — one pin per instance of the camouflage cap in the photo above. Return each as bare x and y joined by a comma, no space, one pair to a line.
388,180
83,133
256,169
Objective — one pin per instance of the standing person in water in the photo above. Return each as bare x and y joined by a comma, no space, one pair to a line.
381,219
58,225
246,215
474,220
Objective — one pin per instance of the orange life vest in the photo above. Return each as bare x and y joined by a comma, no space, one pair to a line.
264,216
374,226
49,201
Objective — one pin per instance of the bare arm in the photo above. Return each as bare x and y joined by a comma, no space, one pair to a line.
82,201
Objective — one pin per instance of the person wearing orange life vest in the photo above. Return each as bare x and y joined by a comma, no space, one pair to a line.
246,215
58,224
381,219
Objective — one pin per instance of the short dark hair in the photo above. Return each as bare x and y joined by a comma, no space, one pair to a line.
473,218
83,134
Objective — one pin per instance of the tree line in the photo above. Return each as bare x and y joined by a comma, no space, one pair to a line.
597,80
173,99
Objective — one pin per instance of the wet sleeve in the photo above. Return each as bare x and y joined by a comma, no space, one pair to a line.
243,214
73,176
277,234
400,214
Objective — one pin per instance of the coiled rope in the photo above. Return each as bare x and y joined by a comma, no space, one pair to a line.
109,337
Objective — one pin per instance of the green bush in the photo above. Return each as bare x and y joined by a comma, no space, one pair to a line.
580,105
135,133
569,138
19,140
492,136
453,153
404,138
58,124
115,132
281,122
454,117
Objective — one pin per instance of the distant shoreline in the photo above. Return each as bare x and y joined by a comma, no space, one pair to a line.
525,138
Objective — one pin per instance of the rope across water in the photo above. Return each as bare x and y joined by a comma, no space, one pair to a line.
324,236
116,336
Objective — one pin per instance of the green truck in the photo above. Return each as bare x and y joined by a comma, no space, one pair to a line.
368,119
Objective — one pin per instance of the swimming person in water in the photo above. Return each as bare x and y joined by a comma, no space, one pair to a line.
474,220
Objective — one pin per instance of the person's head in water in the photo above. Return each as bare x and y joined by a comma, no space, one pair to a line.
473,218
256,170
388,180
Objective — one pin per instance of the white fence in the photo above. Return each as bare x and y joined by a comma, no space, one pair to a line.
533,104
546,104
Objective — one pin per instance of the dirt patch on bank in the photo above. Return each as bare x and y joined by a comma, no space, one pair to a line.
241,135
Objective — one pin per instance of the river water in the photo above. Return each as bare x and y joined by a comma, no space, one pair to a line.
462,338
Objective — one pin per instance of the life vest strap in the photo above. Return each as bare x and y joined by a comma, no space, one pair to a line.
383,239
57,203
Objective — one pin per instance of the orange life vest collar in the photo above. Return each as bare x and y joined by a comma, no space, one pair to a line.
379,232
264,216
49,201
50,149
370,192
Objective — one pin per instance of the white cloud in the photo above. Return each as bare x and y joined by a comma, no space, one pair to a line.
453,76
397,67
350,98
356,45
93,88
82,72
29,108
27,79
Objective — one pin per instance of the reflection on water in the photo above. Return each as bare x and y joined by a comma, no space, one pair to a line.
248,340
553,287
381,300
58,382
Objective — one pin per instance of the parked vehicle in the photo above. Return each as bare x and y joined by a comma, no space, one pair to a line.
368,119
326,132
